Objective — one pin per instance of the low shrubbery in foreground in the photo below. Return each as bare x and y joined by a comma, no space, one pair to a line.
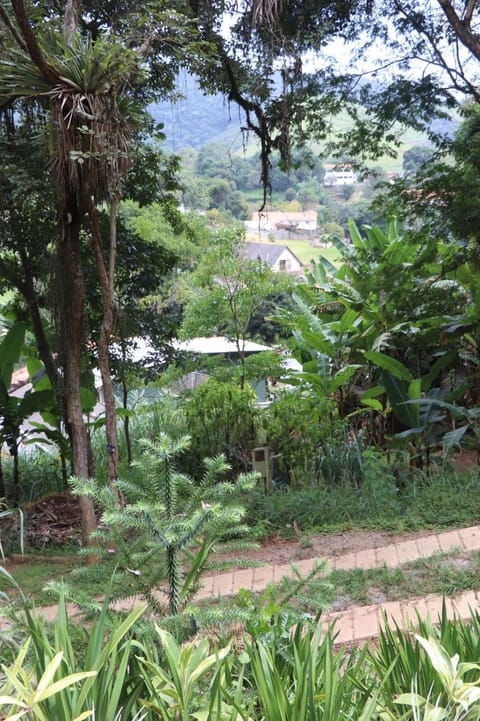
289,669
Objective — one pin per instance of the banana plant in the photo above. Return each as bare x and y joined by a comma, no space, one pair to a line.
367,304
413,402
468,417
14,410
323,348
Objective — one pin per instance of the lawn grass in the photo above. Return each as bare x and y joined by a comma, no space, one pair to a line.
306,252
34,573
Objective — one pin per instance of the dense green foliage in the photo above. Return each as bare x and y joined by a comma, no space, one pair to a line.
281,672
387,339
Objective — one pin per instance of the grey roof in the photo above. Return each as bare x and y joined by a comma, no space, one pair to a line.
268,252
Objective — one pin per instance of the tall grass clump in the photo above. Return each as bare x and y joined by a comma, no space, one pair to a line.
40,473
441,499
416,501
319,504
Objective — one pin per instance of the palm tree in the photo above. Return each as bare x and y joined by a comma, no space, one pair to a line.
84,86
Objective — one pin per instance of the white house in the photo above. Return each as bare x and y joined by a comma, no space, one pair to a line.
279,257
338,174
283,222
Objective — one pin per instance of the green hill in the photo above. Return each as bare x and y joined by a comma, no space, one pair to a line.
195,120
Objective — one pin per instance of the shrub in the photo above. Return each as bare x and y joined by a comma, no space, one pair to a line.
221,419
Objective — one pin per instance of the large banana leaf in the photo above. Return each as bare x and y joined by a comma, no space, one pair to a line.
10,351
397,391
393,366
453,439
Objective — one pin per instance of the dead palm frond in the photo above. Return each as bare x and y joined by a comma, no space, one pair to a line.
91,144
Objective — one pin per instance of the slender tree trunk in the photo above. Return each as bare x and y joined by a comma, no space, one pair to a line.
107,283
63,465
126,422
2,477
26,285
15,489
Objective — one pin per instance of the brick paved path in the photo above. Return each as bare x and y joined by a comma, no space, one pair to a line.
358,623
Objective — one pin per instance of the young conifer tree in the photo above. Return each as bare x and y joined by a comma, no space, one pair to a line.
162,537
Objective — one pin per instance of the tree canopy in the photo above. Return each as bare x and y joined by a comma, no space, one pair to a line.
76,81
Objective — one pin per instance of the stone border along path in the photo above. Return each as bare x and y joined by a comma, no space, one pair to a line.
358,623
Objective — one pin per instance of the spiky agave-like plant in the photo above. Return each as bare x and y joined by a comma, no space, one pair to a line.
163,536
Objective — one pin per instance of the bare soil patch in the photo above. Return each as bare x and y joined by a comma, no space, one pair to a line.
277,551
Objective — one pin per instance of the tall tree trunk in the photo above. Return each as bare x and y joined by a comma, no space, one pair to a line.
126,420
107,283
70,19
25,283
71,311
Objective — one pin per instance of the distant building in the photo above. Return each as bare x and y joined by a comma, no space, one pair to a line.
279,257
283,224
218,345
338,174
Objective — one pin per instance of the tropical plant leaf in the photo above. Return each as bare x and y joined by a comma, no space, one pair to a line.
10,351
397,394
453,439
387,363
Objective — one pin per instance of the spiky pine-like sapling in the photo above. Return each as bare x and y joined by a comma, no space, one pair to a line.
161,539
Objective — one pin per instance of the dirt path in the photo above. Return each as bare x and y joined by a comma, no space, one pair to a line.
276,550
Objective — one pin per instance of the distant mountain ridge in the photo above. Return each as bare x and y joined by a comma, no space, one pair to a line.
197,119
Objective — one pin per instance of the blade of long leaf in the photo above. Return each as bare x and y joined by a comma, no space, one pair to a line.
392,365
